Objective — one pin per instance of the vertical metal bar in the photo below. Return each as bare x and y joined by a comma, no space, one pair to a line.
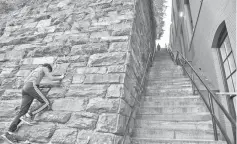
177,58
213,121
192,77
232,113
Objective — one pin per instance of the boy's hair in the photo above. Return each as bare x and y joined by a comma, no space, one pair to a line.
48,66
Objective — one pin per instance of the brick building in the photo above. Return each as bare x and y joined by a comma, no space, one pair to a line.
204,31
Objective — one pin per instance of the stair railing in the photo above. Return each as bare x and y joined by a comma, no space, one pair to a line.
211,96
149,60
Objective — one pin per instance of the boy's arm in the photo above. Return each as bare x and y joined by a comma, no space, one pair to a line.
51,77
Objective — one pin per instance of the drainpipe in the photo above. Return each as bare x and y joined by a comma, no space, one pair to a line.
190,45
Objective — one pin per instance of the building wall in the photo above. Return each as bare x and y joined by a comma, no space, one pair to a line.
212,14
203,56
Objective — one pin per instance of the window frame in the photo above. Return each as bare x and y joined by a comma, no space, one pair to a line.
222,62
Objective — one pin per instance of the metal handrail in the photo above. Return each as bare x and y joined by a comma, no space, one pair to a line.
150,58
211,96
231,94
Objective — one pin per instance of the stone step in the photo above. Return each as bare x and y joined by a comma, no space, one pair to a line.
170,79
158,64
169,92
165,77
165,73
174,125
174,141
155,68
170,71
172,101
173,134
167,83
192,117
188,85
172,110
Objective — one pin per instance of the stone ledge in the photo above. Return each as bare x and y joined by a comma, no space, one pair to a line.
36,133
53,116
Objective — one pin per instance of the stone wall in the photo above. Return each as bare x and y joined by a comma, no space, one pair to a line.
142,44
101,46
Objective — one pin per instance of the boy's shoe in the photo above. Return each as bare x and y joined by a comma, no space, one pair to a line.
27,120
9,138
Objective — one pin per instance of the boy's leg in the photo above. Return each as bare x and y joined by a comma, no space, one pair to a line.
25,105
37,94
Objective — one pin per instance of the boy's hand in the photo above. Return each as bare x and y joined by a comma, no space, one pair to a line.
62,76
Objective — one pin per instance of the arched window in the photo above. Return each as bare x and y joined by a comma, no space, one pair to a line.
227,60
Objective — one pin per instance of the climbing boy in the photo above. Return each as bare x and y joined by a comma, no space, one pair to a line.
31,91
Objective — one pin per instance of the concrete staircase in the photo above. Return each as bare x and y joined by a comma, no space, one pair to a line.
169,112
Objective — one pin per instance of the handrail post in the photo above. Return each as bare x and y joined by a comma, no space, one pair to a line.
213,121
232,113
177,58
180,60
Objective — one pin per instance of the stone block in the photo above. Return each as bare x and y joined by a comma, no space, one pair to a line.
51,49
53,116
63,3
8,108
73,59
107,59
106,21
64,136
6,72
83,120
81,25
18,83
69,104
118,47
28,66
89,49
5,49
7,83
3,58
115,38
3,127
25,47
91,70
11,64
117,69
111,123
60,69
121,29
44,23
84,136
11,94
115,91
39,60
99,35
76,65
87,91
102,79
78,39
120,91
97,138
23,73
30,25
36,133
57,92
100,105
78,79
45,82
